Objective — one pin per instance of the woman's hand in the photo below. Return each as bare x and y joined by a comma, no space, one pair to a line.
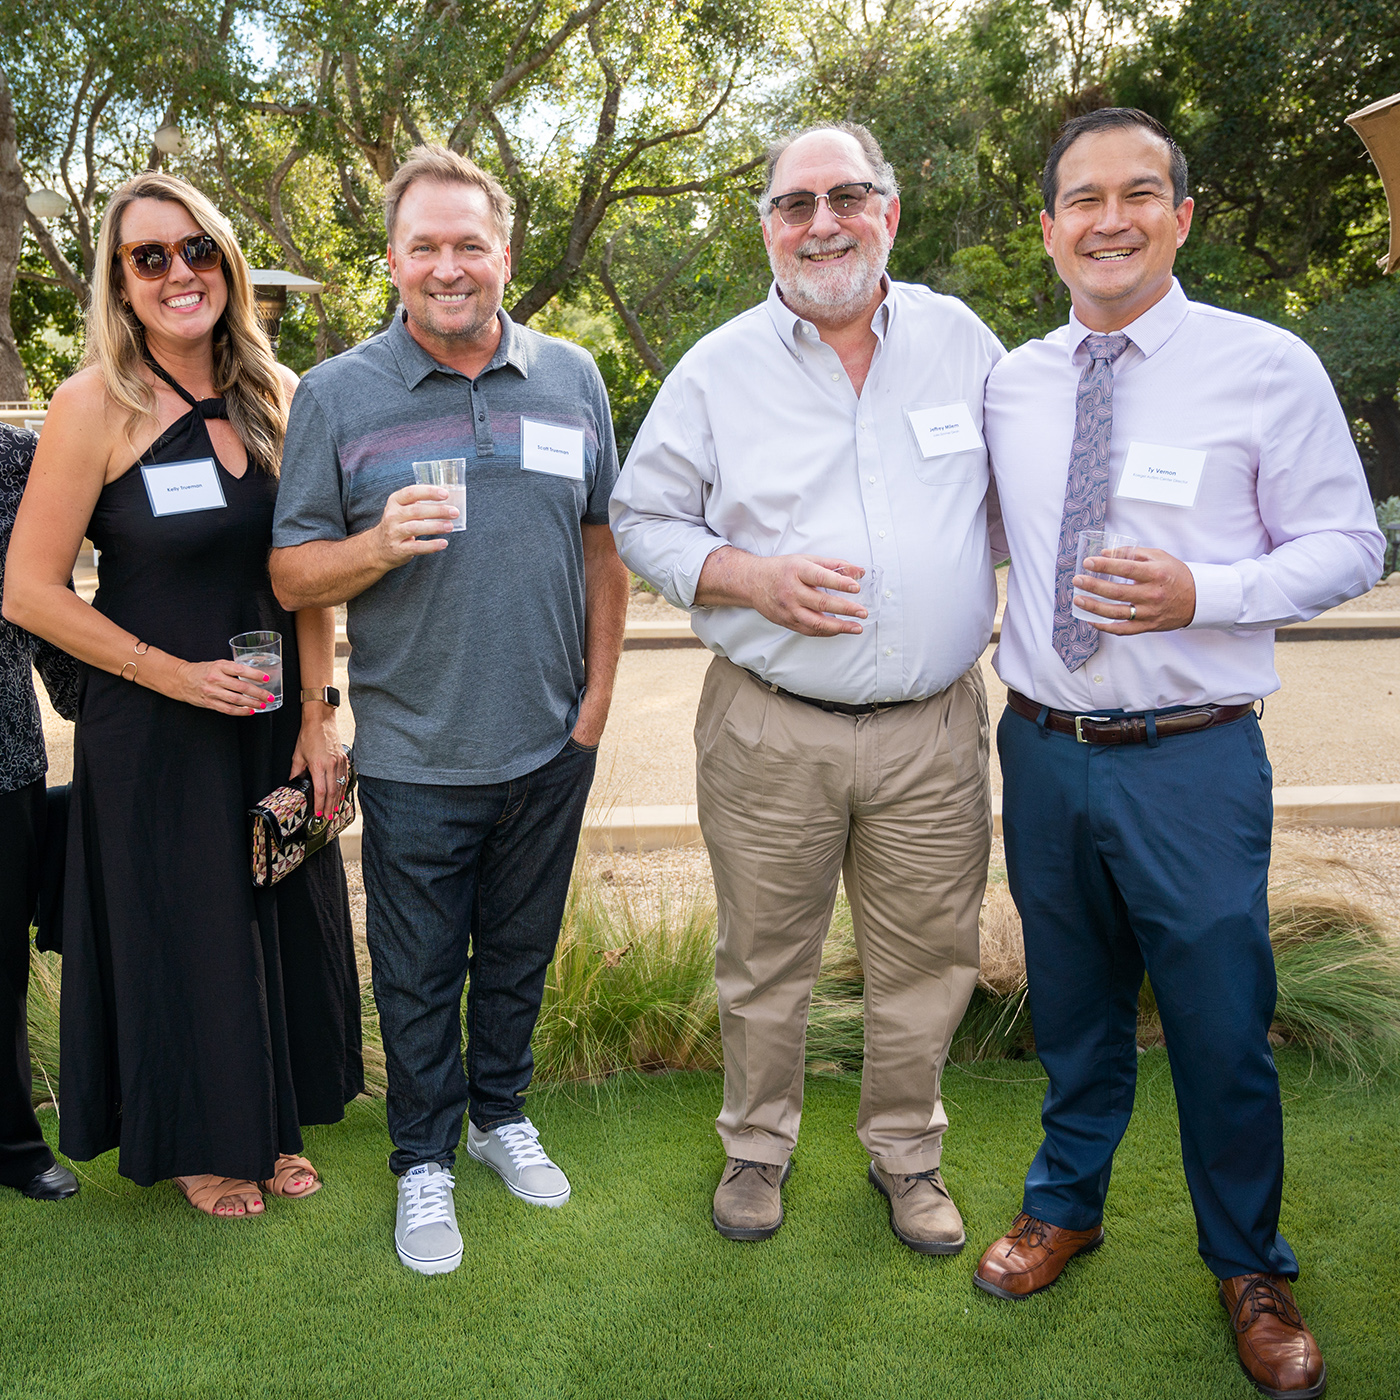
229,687
319,751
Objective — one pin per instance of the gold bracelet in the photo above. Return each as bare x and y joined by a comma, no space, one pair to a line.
141,648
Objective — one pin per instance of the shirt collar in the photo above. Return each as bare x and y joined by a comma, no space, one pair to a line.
416,364
1149,332
793,330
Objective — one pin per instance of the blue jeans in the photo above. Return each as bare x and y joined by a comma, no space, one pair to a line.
1155,856
465,882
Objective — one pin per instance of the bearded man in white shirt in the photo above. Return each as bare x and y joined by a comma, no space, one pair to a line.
812,483
1137,799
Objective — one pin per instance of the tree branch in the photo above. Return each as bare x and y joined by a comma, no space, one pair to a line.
635,334
67,273
689,187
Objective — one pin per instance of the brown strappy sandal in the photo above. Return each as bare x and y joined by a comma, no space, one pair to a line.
205,1192
287,1167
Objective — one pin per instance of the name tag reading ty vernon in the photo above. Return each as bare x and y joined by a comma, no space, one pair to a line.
546,447
1171,476
943,430
178,487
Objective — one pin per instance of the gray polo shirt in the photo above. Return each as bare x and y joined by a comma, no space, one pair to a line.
466,666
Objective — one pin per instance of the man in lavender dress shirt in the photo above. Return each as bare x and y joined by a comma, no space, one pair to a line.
1137,800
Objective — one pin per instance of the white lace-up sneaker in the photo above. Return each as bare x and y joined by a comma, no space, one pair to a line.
426,1234
514,1153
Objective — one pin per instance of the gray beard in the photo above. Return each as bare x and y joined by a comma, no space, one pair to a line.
813,295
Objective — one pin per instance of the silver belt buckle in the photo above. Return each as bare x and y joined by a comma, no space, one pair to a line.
1079,723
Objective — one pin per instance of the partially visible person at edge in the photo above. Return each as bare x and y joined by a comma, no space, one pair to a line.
26,1163
1137,800
831,432
203,1021
481,668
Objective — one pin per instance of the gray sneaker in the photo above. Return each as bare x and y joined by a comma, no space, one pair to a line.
514,1153
426,1235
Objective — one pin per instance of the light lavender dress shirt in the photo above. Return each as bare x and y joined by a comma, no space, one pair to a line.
1282,525
757,439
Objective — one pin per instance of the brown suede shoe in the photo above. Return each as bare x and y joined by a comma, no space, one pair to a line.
748,1199
1276,1349
1030,1256
922,1213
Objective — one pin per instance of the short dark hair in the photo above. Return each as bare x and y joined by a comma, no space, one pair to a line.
1109,119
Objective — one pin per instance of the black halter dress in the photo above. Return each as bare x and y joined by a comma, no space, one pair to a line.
202,1021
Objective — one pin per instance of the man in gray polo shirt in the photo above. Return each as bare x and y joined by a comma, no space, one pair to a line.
483,654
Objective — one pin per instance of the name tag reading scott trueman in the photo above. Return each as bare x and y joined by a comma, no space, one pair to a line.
943,430
176,488
1171,476
546,447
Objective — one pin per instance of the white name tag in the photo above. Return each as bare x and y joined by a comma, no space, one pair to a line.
944,430
1170,476
546,447
177,487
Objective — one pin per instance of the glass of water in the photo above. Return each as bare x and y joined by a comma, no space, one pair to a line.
262,650
1101,544
449,472
872,583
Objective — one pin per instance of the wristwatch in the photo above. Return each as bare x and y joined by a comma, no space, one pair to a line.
327,695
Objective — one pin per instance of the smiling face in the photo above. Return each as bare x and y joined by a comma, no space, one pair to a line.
829,270
1114,234
184,306
447,261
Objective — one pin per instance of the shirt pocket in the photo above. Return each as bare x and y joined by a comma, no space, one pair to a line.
945,443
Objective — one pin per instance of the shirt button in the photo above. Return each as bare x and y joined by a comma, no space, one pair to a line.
480,417
888,594
835,377
889,699
889,651
872,481
882,534
1098,680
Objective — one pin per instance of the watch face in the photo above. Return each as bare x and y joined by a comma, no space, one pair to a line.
332,695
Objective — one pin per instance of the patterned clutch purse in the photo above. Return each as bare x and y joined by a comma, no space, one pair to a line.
286,831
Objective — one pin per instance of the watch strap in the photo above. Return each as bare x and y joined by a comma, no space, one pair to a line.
327,695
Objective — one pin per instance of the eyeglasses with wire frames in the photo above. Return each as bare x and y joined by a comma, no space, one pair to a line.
844,201
151,259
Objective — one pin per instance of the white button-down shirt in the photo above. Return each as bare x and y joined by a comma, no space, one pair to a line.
758,440
1282,526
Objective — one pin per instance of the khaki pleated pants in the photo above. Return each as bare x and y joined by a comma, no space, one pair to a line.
790,799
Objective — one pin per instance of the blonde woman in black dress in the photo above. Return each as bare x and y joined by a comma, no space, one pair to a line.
203,1021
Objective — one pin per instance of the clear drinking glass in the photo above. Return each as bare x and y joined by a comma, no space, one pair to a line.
450,472
1102,544
262,650
872,584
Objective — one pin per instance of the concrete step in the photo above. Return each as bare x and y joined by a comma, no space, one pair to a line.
662,828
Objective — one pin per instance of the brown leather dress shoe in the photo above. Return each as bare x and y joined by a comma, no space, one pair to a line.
1030,1256
1276,1350
749,1200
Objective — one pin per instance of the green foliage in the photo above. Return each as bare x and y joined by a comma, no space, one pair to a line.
1388,511
48,327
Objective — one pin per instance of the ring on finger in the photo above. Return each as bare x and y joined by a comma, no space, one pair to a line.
1132,612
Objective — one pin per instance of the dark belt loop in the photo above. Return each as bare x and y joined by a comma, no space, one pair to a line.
1152,739
1041,719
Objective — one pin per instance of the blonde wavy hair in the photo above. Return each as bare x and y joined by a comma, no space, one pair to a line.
245,369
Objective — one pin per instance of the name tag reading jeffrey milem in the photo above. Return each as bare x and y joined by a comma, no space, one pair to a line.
1171,476
944,429
546,447
176,488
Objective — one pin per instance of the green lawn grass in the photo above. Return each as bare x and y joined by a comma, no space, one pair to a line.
628,1291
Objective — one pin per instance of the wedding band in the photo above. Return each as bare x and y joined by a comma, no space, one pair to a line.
1132,612
340,782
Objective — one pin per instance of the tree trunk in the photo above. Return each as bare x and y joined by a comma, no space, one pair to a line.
1383,470
13,385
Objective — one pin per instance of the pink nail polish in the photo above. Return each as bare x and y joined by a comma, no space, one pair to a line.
267,678
318,814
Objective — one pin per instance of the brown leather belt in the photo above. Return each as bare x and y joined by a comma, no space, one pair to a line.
1127,729
835,707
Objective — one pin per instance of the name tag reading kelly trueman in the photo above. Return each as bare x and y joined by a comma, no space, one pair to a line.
943,430
546,447
178,487
1171,476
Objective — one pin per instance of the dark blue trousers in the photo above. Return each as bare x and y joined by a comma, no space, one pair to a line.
465,881
1151,856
